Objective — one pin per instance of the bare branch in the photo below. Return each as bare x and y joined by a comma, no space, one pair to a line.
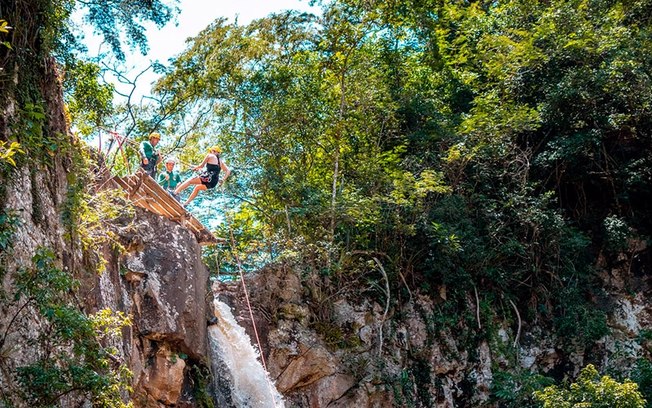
387,295
477,307
518,316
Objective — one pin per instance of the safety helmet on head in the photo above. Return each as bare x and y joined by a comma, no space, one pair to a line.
171,160
215,149
155,135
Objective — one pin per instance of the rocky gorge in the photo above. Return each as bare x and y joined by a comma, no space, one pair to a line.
322,350
105,304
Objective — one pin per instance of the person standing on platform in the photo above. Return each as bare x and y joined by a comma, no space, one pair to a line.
149,156
170,178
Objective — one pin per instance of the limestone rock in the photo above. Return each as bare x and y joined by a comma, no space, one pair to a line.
313,364
329,389
164,379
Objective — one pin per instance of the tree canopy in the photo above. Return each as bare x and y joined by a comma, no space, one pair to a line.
503,143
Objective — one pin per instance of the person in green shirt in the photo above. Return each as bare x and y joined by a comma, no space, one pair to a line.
169,178
149,156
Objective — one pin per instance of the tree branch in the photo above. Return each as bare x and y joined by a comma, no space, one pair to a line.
387,294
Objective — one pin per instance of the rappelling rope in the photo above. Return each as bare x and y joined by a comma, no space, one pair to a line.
246,293
251,313
121,141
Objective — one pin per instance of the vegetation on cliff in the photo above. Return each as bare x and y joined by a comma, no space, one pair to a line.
53,352
493,151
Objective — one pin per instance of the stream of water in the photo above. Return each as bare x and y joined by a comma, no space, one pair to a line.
236,364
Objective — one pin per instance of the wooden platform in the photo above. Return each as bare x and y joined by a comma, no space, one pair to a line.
146,193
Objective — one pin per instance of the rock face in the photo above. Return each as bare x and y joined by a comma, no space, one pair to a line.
161,282
328,354
157,279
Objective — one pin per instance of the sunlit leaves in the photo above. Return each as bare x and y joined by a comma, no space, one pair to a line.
591,390
4,26
7,152
106,322
89,101
295,98
409,188
4,29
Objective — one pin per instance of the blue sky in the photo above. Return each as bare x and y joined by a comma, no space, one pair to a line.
195,15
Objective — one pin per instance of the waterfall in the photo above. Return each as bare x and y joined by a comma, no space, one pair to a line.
240,380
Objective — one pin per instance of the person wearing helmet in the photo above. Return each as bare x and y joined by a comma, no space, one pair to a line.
209,178
170,178
149,156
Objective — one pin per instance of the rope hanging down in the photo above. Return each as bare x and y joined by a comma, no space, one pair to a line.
251,313
246,293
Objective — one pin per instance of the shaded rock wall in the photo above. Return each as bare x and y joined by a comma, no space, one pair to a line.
161,282
158,280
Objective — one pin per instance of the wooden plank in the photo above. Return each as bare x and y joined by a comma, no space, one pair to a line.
146,193
137,184
159,209
178,212
172,206
142,202
133,183
121,183
163,209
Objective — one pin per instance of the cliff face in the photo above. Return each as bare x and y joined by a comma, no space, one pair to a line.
137,263
341,351
157,278
160,281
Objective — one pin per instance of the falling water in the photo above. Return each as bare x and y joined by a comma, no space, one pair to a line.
235,361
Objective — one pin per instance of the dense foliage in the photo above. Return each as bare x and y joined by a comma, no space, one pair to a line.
71,359
497,145
470,146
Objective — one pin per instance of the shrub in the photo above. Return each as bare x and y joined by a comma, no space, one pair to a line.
592,391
